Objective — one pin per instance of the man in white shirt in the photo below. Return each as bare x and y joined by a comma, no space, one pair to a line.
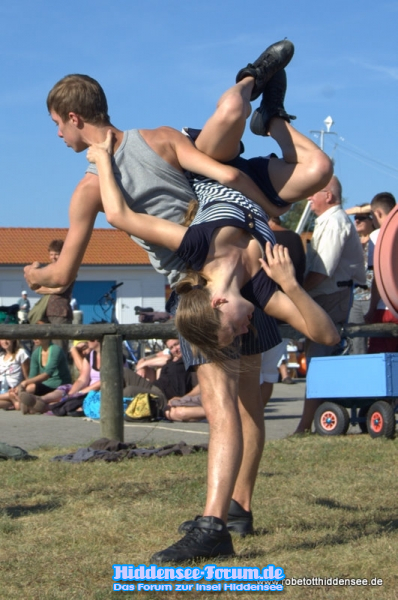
334,265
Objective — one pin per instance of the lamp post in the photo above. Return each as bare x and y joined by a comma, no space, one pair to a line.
305,214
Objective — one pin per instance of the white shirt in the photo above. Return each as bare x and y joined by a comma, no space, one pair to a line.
11,369
335,251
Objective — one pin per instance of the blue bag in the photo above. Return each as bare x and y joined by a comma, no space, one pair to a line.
92,404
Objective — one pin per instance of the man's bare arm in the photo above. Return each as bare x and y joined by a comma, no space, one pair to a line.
176,149
47,290
84,207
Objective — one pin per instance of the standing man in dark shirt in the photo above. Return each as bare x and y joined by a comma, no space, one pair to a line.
59,310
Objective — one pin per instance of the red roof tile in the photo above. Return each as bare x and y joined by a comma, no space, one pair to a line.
22,246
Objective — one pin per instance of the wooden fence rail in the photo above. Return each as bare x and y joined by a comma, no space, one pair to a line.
112,335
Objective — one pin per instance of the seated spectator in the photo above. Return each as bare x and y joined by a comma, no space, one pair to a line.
87,381
150,367
77,352
173,380
48,369
14,367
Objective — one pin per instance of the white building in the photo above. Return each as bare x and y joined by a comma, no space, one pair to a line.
111,258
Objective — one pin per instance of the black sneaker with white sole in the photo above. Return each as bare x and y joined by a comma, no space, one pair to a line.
274,58
207,537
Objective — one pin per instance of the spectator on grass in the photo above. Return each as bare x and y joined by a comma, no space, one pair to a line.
150,367
14,367
173,381
88,380
48,369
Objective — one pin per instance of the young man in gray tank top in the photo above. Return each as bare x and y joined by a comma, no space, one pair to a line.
236,437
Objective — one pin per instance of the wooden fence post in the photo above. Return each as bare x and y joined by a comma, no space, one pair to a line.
111,417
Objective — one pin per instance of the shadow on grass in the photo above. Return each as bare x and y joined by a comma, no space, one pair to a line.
14,512
333,504
347,533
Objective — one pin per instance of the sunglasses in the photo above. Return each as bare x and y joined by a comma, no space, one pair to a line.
362,217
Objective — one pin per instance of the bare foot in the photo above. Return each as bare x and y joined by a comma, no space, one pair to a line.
15,400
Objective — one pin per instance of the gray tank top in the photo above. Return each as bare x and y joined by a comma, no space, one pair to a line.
151,185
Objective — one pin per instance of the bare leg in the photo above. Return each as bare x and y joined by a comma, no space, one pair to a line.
185,413
5,401
52,397
221,134
13,397
266,390
307,417
219,392
304,168
251,410
44,402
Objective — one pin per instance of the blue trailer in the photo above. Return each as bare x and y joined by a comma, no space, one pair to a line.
365,383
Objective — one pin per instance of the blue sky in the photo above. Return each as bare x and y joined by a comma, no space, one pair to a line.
166,62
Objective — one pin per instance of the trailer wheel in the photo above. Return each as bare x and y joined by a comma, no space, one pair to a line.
331,419
381,420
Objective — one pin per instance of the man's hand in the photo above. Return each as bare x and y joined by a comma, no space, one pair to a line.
278,265
29,273
96,151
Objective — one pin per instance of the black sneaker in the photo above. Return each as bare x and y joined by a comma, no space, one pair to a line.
273,59
207,537
239,521
271,105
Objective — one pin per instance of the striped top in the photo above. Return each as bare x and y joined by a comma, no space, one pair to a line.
221,207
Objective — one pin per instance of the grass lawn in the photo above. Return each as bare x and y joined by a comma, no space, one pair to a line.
324,507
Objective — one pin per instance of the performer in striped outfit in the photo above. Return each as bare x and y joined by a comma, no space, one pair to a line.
224,248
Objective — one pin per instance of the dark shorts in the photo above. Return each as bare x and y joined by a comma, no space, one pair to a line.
264,336
42,389
256,168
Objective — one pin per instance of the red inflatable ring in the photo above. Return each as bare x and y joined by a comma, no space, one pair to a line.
386,262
